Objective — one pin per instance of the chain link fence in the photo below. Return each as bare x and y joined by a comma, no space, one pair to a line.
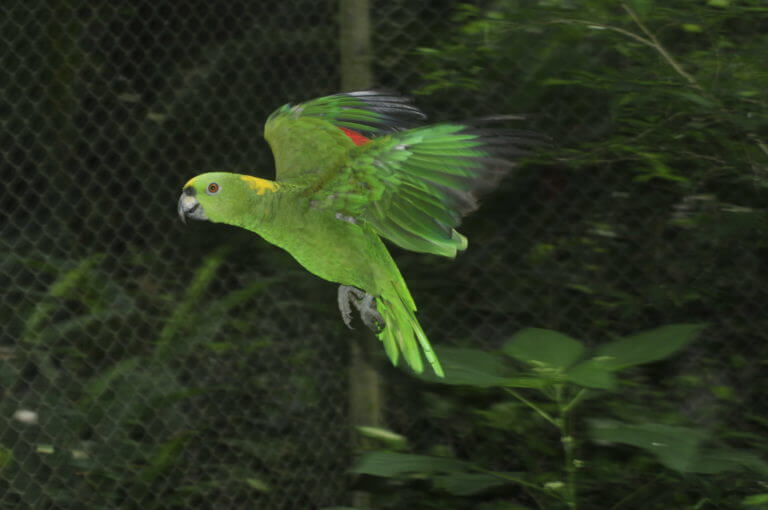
147,364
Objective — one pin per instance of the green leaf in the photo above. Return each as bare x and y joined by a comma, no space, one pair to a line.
525,382
675,447
658,169
647,346
97,385
643,7
755,499
559,81
728,459
467,484
163,457
591,374
65,285
498,504
6,457
391,464
481,369
544,347
678,448
257,483
470,367
393,439
694,98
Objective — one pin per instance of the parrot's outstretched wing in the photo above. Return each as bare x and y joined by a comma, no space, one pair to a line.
311,138
413,187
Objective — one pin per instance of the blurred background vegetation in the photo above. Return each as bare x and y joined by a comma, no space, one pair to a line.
605,334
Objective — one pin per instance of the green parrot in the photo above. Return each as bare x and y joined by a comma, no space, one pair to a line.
351,169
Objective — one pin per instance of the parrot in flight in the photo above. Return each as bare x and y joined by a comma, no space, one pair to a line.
351,169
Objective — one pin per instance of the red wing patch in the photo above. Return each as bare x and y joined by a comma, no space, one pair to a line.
356,137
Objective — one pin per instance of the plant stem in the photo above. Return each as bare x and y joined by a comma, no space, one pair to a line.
567,440
533,406
602,26
650,40
563,424
578,398
661,49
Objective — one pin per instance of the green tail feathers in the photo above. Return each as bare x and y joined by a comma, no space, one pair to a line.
403,333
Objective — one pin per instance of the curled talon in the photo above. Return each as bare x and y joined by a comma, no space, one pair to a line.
364,303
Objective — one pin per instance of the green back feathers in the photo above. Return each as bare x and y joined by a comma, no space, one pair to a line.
308,139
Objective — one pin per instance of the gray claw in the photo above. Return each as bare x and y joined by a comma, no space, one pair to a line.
344,304
364,303
370,315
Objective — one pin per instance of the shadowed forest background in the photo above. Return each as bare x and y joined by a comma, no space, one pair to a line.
604,336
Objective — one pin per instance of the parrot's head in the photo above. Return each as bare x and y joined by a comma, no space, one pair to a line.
220,196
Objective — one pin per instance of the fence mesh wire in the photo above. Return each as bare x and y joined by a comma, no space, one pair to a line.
148,364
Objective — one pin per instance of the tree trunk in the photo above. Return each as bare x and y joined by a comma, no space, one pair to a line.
365,395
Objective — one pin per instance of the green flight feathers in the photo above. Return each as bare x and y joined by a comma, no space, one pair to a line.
351,169
411,186
369,112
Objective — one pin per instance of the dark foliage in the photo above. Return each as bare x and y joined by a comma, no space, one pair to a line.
148,365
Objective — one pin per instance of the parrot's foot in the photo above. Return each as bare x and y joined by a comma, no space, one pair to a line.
365,304
370,315
346,294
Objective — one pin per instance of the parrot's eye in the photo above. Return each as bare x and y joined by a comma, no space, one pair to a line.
213,188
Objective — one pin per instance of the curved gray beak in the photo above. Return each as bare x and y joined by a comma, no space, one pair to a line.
189,207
